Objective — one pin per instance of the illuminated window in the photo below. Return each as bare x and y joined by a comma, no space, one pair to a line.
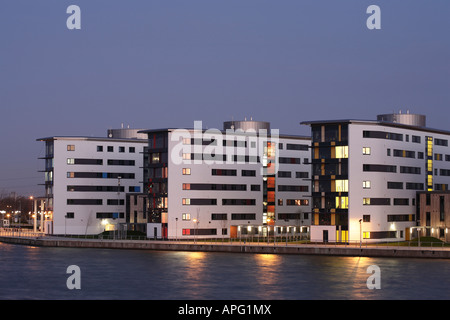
366,235
186,186
70,161
341,152
366,201
186,140
186,216
429,165
186,201
70,147
70,174
186,156
186,171
366,150
341,202
366,184
341,185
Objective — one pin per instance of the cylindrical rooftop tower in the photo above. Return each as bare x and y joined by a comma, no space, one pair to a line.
407,118
246,125
126,133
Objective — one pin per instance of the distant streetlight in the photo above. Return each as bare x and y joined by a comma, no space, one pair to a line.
360,233
195,220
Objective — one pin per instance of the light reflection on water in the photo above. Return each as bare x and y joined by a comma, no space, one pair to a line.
40,273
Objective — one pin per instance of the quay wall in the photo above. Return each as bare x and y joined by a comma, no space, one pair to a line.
320,249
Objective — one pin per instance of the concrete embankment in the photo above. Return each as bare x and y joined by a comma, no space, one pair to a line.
385,251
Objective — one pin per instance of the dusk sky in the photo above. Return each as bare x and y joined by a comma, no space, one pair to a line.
153,64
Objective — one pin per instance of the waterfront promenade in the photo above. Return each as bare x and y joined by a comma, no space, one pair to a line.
240,246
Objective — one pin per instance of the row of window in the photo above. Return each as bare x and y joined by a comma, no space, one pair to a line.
408,154
213,202
390,168
91,188
399,137
99,215
110,162
110,202
121,149
288,174
100,175
248,216
394,217
385,201
241,143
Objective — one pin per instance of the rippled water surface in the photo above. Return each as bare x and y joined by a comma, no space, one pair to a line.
40,273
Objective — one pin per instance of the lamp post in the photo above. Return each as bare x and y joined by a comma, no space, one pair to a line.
195,229
176,229
360,233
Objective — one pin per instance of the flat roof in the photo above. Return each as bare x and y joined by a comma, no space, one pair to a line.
285,136
379,123
85,138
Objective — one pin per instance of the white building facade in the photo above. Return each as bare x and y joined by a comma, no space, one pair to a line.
366,175
87,179
224,183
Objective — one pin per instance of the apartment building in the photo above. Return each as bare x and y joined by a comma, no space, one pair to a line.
433,214
365,175
243,179
87,179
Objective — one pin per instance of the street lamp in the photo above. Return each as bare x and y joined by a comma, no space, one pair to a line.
360,233
195,220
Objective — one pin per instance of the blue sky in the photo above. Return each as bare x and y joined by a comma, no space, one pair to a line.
152,64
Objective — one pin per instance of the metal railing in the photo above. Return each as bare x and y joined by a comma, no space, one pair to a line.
245,240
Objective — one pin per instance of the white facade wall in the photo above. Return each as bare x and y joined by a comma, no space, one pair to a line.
379,180
187,216
294,202
85,219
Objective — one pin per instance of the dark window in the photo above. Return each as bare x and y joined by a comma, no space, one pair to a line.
289,188
88,161
243,216
440,142
441,208
301,147
248,173
289,160
218,216
379,202
414,186
394,185
255,187
284,174
115,202
99,148
382,135
110,149
121,149
379,168
84,201
121,162
223,172
237,202
303,175
70,215
401,202
412,170
366,218
400,217
289,216
131,149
